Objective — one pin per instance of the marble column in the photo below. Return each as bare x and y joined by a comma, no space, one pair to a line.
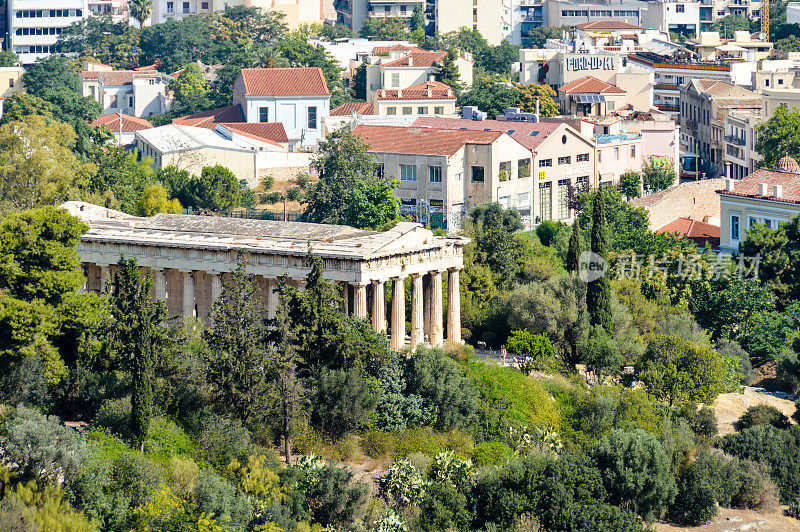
426,307
104,277
416,311
159,285
272,298
398,313
346,298
360,301
437,336
187,304
379,305
216,287
453,307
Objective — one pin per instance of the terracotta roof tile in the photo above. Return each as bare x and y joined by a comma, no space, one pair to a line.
209,119
695,230
430,90
421,140
749,186
300,81
129,123
117,78
590,85
529,134
270,131
359,108
418,59
608,25
395,48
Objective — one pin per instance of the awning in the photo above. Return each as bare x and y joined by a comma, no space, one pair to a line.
589,98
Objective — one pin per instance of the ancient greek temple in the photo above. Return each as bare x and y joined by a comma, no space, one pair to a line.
190,257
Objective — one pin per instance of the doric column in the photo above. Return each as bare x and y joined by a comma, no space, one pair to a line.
398,313
427,305
379,305
272,298
216,287
159,285
436,309
360,301
104,275
416,311
346,298
453,307
187,305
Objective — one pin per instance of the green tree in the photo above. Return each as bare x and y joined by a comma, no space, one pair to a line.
574,250
678,371
497,59
217,189
727,25
779,136
154,200
536,37
8,59
21,105
788,44
447,72
548,104
191,89
140,10
493,229
778,248
99,38
417,20
348,191
657,174
137,335
534,346
51,74
119,180
600,352
636,472
630,183
598,292
237,357
359,82
384,29
491,94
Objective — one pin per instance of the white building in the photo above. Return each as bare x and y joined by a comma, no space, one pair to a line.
34,25
296,97
132,92
793,13
296,11
401,68
353,13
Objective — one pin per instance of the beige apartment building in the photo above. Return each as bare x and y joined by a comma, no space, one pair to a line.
493,18
403,68
563,161
767,197
10,80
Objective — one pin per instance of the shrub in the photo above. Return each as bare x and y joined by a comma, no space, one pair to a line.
114,415
447,467
343,401
166,439
333,497
396,409
703,421
491,453
41,447
789,370
733,349
443,507
548,230
223,439
636,472
762,415
182,474
136,477
33,506
377,443
219,499
403,484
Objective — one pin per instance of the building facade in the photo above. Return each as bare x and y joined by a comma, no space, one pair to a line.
189,256
131,92
401,69
34,25
353,13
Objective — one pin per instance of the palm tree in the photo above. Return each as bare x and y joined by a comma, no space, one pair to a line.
140,10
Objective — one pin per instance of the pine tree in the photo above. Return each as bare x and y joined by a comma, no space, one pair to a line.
137,334
574,250
448,72
237,355
598,292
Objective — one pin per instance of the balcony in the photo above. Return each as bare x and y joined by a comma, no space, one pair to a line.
733,139
665,87
692,124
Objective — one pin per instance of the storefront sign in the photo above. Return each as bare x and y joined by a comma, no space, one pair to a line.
590,63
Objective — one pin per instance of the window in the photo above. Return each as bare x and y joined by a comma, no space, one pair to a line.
545,163
170,7
186,7
582,158
439,110
402,10
395,80
379,170
505,171
565,160
91,91
563,199
734,227
407,110
408,172
130,101
523,168
680,8
459,176
387,9
598,156
391,111
422,110
616,154
312,117
263,114
435,174
780,82
633,152
545,201
204,5
113,101
477,174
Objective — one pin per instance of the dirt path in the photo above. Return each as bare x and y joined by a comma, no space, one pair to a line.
729,407
730,520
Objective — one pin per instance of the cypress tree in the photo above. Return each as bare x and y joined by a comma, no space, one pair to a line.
598,292
574,250
137,335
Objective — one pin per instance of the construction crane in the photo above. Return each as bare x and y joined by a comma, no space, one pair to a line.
764,15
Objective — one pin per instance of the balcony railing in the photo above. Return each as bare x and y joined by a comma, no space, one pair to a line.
733,139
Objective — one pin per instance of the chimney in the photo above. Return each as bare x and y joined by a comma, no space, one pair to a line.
399,93
777,190
410,60
430,93
729,185
537,110
763,189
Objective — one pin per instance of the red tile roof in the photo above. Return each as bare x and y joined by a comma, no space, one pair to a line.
359,108
694,230
117,78
418,59
529,134
395,48
300,81
129,123
421,140
590,85
430,90
748,186
269,131
608,25
210,119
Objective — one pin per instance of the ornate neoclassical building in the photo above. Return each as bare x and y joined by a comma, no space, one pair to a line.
190,255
